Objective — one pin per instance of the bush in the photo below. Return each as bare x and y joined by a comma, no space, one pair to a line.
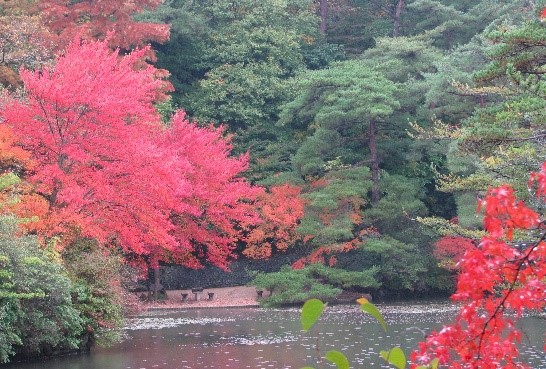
98,292
37,316
289,286
403,267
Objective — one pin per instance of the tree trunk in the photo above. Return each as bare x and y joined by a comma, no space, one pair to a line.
376,191
396,18
323,11
157,285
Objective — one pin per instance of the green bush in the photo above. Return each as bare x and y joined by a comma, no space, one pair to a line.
289,286
37,316
403,266
97,292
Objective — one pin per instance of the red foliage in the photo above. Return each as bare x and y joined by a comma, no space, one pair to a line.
280,211
449,250
109,20
217,204
497,283
110,171
94,20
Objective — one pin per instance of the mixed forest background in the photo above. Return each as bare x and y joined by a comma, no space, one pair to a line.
349,141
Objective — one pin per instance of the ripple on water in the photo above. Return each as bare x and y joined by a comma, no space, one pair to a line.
160,322
255,340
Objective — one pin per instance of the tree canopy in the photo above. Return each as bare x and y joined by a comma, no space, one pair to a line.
156,194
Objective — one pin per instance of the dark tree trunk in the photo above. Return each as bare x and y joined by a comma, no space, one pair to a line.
376,191
323,10
396,17
157,285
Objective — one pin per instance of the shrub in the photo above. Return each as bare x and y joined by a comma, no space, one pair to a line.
36,312
289,286
98,292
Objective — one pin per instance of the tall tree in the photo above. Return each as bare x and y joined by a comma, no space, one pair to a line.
501,142
347,100
189,38
343,114
454,23
391,9
110,171
323,12
253,47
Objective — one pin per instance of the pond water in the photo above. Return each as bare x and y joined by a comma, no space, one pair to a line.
263,338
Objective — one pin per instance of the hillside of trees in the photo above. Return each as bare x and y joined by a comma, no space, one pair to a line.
357,136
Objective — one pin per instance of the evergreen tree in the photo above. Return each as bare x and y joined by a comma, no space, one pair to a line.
505,135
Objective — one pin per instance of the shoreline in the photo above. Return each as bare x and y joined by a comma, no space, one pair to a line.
225,297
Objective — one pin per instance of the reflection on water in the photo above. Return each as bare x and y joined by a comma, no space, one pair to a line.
261,339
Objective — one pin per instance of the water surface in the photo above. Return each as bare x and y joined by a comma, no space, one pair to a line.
262,338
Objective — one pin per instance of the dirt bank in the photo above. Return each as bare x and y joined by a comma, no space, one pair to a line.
223,297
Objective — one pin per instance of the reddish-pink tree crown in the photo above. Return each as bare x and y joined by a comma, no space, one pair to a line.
111,171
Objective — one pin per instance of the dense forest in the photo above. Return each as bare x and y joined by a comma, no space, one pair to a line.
358,136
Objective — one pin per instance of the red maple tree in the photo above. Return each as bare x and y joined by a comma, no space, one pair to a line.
94,20
498,282
110,171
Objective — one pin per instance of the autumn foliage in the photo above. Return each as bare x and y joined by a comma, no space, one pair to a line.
94,20
280,211
326,254
498,282
107,169
450,249
23,40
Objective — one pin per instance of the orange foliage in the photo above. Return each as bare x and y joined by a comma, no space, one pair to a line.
319,183
18,199
9,77
33,209
10,154
326,254
280,209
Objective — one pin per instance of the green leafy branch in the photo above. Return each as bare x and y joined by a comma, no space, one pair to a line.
312,311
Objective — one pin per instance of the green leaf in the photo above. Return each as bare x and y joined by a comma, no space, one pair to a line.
370,308
395,357
337,358
311,311
433,365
